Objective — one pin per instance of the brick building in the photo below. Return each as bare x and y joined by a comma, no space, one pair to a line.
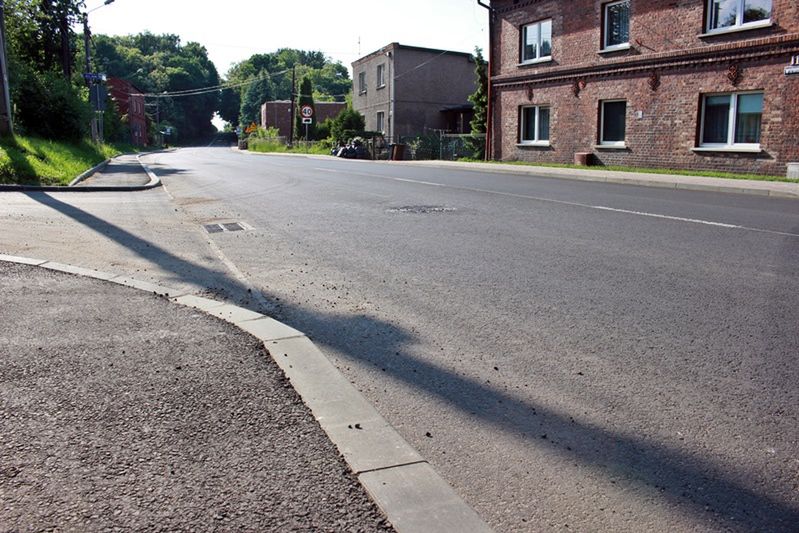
689,84
130,102
421,89
277,114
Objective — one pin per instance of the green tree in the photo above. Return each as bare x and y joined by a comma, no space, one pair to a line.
161,63
305,99
480,96
256,94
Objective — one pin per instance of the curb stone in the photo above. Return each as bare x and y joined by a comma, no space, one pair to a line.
154,182
412,495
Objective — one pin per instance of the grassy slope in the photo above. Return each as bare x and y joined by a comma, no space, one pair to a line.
267,146
32,161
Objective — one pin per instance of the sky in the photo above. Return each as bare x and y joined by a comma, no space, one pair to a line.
233,30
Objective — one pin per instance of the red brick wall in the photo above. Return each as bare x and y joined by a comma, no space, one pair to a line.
278,114
687,67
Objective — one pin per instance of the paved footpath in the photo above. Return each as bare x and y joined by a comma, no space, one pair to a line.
122,411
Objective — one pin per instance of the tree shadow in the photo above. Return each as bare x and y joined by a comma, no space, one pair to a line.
698,486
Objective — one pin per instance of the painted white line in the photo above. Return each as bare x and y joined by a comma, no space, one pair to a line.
571,204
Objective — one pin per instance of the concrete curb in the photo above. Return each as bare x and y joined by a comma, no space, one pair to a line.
413,496
89,172
154,182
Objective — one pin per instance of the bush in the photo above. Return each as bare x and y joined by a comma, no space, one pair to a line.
48,106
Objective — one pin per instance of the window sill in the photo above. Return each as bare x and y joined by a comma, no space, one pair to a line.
381,87
534,144
738,29
754,149
540,61
617,48
620,146
361,93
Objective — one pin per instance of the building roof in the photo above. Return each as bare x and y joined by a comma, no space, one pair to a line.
398,46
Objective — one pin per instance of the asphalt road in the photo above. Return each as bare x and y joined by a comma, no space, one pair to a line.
569,355
122,411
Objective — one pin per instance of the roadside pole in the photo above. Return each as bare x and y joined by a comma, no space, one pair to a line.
6,120
293,95
89,82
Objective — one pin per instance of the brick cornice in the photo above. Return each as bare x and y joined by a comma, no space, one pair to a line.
722,53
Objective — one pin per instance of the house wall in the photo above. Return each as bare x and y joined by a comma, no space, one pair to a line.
425,82
130,102
663,75
277,114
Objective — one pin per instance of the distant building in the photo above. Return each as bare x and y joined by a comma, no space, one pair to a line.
277,114
406,90
130,102
689,84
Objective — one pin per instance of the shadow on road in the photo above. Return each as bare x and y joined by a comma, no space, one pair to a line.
695,484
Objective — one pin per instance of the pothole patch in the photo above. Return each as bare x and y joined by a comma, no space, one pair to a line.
422,209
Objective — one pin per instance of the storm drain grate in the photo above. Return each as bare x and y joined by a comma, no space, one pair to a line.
225,227
422,209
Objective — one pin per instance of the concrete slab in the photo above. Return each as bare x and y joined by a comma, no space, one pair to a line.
233,313
416,499
22,260
70,269
268,329
203,304
359,431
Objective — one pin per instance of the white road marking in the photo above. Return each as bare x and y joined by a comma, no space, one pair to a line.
572,204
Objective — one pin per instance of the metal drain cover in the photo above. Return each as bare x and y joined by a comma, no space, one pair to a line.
226,227
422,209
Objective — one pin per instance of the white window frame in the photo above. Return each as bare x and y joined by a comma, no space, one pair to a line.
739,23
362,83
380,116
730,145
537,141
605,33
539,58
611,144
381,75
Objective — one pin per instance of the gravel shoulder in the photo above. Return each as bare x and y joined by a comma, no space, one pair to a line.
122,411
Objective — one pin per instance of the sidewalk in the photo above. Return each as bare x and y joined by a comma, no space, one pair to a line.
777,189
123,410
122,171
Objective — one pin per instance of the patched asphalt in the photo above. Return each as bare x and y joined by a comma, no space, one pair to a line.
122,411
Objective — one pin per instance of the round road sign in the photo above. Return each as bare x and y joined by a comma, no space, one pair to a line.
306,111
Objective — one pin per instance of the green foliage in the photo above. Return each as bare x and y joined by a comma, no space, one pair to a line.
39,33
274,146
30,160
254,96
480,97
116,127
305,99
330,80
161,63
48,106
346,125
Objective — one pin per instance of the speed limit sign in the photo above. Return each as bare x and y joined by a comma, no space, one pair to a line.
306,111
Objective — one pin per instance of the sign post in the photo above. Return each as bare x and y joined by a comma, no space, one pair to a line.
307,117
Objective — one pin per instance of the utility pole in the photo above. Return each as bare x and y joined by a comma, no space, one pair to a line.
293,96
6,122
89,82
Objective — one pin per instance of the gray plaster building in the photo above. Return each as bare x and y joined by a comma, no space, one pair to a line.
406,90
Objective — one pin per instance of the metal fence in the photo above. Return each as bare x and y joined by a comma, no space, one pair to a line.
447,147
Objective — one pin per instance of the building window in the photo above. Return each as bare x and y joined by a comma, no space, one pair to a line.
616,30
730,120
381,76
361,82
725,15
613,123
537,42
381,121
535,125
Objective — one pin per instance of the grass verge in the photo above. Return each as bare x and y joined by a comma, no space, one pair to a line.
270,146
34,161
701,173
